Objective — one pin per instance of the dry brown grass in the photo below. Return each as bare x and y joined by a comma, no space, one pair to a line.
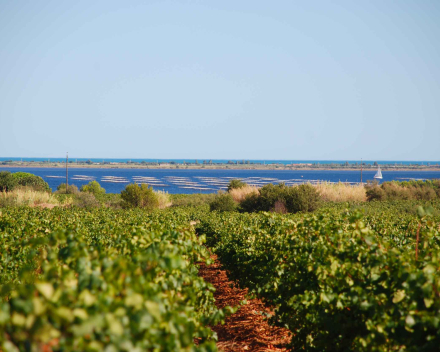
27,196
341,192
164,199
238,194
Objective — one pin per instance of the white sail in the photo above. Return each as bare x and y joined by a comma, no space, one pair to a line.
378,173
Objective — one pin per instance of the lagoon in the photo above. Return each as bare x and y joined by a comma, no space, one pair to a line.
206,181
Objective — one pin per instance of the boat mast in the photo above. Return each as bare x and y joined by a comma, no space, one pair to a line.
67,172
361,170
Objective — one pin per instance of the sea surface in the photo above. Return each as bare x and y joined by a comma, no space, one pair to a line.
206,181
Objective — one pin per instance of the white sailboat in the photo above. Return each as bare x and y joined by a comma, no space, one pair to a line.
378,174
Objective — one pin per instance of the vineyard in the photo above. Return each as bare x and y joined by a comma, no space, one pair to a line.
359,277
103,280
340,280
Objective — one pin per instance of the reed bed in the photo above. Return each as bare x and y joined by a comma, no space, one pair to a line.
239,194
341,192
164,199
27,196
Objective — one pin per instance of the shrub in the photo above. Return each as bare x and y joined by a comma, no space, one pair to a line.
71,189
64,199
394,191
223,202
302,198
135,196
235,184
86,200
7,181
33,181
269,194
425,193
406,190
375,193
280,198
250,203
93,187
279,207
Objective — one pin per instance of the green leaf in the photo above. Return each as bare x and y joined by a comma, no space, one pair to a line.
410,321
18,319
398,296
46,289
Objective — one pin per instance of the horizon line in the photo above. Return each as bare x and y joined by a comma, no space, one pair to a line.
234,159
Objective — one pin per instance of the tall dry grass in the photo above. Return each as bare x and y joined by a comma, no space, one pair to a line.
239,194
341,192
164,199
26,196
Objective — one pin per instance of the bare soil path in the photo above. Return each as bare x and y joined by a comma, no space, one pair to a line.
247,329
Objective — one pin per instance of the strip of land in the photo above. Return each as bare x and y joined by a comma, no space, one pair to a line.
222,166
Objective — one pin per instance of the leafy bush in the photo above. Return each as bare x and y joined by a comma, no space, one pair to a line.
279,207
86,200
302,198
235,184
135,196
394,191
93,187
375,193
223,202
269,194
280,198
7,181
250,203
30,180
71,189
406,190
425,193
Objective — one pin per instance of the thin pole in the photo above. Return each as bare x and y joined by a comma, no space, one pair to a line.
67,172
361,170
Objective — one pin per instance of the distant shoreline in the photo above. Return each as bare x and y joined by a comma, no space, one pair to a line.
167,166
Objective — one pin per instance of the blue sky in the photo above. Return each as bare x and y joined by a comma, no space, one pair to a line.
220,79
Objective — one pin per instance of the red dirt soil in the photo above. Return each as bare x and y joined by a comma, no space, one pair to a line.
247,329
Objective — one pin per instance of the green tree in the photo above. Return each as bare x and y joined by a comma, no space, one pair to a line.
223,202
135,196
302,198
7,181
93,187
71,189
235,183
30,180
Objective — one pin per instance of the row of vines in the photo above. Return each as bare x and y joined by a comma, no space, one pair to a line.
358,279
74,280
345,278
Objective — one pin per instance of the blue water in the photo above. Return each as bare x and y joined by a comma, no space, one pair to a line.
197,178
224,161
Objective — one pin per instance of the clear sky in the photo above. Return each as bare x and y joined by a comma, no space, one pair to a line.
220,79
